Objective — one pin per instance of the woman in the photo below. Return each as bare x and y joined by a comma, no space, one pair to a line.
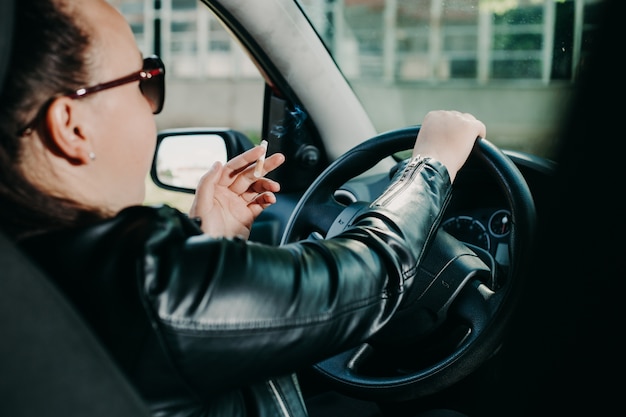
188,309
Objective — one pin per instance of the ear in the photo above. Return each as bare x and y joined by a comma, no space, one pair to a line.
66,130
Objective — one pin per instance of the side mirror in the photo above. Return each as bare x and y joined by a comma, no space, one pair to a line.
182,156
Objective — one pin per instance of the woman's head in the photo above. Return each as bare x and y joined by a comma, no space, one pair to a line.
67,157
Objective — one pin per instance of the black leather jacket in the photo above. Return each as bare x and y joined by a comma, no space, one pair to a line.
217,327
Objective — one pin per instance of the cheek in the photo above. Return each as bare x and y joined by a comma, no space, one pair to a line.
141,143
139,129
132,140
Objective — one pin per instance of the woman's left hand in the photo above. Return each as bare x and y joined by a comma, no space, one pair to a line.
229,198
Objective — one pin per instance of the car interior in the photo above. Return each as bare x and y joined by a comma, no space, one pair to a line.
563,352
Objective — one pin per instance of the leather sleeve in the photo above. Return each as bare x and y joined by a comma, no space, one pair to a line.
230,312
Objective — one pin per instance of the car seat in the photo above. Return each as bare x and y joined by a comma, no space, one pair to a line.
50,362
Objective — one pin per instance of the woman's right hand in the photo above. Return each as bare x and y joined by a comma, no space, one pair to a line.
448,136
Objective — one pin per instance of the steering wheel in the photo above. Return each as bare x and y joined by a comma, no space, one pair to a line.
459,328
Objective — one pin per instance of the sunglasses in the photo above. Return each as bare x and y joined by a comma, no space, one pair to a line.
151,83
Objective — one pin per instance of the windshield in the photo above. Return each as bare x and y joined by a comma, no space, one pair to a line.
513,62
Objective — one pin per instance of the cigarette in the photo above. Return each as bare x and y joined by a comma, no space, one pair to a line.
258,170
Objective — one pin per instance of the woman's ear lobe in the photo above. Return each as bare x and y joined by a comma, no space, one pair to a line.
64,130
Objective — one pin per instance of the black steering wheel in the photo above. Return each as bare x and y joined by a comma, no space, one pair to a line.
462,321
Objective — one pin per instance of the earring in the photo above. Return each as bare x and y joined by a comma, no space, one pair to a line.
92,156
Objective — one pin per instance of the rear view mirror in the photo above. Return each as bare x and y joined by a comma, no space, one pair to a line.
182,156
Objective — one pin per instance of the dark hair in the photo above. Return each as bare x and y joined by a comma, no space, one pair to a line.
49,57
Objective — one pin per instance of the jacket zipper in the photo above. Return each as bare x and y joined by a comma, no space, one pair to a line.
409,173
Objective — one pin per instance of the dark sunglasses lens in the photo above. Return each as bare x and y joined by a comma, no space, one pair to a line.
153,88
